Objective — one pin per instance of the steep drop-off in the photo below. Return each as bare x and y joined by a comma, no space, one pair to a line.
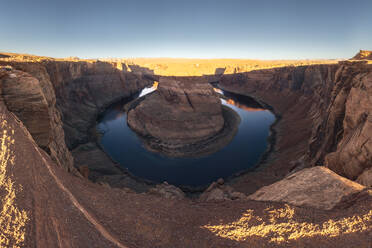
333,102
59,101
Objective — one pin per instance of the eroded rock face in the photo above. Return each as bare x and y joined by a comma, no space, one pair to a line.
363,54
167,191
59,101
32,99
353,154
83,89
182,112
316,187
339,109
179,111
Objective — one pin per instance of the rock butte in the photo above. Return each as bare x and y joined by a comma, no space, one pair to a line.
181,115
47,109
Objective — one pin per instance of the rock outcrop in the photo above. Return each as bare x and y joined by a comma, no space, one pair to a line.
59,100
182,117
179,111
316,187
31,98
84,89
363,54
167,191
339,106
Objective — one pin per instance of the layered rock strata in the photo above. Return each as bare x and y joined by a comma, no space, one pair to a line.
181,117
316,187
32,100
59,101
334,100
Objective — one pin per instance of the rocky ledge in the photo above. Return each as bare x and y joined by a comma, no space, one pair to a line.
184,117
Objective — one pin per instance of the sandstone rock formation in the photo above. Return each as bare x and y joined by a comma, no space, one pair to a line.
33,100
167,191
363,54
316,187
84,89
180,115
68,95
41,196
365,178
335,100
217,191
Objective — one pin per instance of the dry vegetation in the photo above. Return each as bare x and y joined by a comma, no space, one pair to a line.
281,226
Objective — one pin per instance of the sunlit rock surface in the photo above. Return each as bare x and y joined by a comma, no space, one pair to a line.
316,187
363,54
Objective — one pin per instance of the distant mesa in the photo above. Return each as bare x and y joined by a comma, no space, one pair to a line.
4,56
363,54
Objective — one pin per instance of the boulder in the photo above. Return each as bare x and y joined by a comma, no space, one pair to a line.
219,192
316,187
365,178
167,191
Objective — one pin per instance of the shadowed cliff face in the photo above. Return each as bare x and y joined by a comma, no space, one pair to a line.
28,93
58,101
340,104
85,89
71,94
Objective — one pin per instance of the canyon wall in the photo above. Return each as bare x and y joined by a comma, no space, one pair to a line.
339,104
84,89
58,101
28,92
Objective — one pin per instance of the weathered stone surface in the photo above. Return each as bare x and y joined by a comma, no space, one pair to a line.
31,97
219,192
338,114
167,191
181,115
316,187
354,150
365,178
363,54
83,89
84,171
179,111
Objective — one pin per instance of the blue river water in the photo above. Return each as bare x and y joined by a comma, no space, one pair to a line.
242,153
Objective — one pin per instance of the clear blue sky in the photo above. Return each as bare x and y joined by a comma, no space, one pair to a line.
262,29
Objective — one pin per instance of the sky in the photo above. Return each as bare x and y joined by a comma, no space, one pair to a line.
262,29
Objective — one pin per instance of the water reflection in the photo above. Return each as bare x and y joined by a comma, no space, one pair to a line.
242,153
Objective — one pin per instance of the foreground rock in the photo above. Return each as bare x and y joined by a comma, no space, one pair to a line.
167,191
316,187
182,117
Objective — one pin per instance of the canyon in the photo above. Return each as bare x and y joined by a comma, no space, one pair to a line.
182,117
317,174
